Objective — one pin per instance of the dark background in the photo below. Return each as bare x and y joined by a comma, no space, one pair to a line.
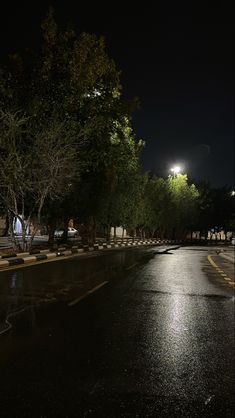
177,59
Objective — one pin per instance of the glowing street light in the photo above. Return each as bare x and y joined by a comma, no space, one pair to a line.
176,169
233,193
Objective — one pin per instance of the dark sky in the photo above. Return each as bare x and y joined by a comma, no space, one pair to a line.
177,60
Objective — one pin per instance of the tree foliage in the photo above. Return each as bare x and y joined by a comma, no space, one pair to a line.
35,164
67,147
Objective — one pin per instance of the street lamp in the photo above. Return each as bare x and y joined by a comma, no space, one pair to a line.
233,193
176,169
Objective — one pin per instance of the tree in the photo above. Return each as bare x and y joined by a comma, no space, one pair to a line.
156,195
216,208
36,164
71,86
82,83
182,205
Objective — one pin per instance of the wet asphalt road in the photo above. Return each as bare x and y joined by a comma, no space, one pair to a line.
156,340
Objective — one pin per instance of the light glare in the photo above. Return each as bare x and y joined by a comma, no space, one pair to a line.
176,169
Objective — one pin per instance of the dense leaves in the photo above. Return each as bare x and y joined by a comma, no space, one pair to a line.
67,149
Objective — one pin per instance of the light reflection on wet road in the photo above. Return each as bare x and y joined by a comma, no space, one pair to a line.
157,340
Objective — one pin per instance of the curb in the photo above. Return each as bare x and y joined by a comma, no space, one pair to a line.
34,256
24,254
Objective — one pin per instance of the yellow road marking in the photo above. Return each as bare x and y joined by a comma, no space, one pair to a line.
212,261
218,269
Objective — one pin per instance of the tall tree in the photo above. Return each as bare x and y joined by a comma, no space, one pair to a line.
35,165
183,205
73,84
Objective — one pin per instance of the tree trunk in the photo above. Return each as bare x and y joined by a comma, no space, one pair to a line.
108,233
51,226
134,234
51,230
5,232
123,229
65,233
11,231
94,226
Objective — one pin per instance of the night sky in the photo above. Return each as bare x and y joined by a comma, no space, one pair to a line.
177,60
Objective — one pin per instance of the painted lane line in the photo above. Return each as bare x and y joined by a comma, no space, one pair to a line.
225,278
97,287
212,262
221,272
75,301
130,267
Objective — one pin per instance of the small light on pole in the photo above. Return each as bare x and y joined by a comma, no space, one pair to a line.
233,193
176,169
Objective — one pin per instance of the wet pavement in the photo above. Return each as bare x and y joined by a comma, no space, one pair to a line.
133,333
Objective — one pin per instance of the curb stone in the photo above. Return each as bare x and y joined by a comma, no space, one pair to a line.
24,254
33,256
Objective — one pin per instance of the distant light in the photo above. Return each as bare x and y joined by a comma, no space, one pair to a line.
176,169
93,93
233,193
97,92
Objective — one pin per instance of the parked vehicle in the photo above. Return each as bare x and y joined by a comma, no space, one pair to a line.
72,232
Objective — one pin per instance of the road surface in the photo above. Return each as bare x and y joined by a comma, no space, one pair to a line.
133,333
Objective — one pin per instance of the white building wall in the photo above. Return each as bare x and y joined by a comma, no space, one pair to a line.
118,232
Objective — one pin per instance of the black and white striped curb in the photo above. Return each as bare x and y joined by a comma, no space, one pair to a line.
31,257
24,254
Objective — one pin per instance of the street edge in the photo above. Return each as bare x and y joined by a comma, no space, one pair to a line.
43,255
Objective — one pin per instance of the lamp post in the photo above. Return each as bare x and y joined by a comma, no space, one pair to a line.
176,169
